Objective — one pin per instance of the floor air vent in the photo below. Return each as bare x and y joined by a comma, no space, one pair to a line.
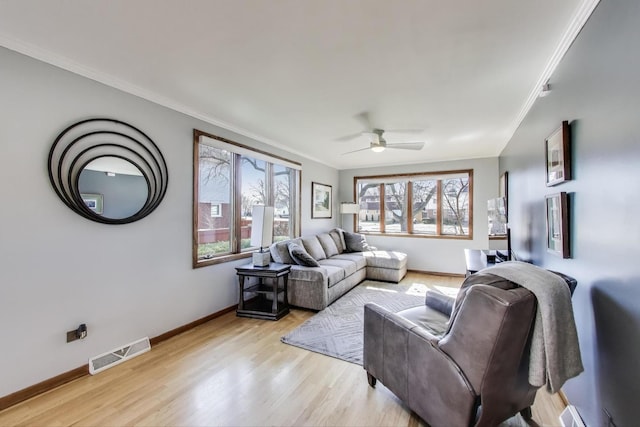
570,417
118,355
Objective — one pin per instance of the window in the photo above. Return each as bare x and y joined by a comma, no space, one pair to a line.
216,210
423,204
229,179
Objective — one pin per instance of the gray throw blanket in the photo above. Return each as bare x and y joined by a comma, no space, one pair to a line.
555,354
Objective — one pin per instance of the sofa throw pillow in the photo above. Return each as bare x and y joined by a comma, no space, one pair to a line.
277,252
355,242
300,256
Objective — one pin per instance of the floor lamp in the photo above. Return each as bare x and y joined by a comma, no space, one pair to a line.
348,208
261,233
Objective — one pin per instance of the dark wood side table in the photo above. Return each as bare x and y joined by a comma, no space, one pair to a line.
272,281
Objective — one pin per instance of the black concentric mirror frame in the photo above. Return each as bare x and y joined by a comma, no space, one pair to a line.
87,140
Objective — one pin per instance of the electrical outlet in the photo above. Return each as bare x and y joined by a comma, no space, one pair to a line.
77,334
71,336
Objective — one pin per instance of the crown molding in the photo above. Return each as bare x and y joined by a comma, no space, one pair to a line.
68,64
580,18
578,21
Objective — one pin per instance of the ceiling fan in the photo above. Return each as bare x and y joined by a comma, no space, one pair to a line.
378,144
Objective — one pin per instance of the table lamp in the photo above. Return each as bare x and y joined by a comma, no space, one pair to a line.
348,208
261,233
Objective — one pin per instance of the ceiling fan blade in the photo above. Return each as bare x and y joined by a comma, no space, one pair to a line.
355,151
365,119
407,145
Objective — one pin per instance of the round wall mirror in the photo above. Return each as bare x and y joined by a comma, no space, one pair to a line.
107,171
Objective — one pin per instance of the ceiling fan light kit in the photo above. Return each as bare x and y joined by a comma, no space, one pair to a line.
378,144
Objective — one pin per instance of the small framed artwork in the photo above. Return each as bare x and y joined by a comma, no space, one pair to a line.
321,200
557,225
558,155
93,201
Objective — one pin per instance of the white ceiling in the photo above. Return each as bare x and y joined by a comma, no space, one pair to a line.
302,74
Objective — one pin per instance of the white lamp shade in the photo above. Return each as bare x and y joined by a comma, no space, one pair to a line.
261,226
349,208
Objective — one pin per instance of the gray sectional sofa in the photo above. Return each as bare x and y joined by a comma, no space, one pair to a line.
327,265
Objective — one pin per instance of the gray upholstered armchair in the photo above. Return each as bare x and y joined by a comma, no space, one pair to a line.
472,370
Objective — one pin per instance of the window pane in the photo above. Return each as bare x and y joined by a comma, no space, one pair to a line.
214,202
455,206
425,206
369,200
254,187
284,186
395,208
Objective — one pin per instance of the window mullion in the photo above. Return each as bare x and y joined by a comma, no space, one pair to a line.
269,185
409,207
439,208
381,215
270,190
236,231
294,208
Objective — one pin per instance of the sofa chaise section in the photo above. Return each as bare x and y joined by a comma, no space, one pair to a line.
386,266
336,270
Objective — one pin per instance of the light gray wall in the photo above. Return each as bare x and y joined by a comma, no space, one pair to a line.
315,172
435,254
58,270
597,88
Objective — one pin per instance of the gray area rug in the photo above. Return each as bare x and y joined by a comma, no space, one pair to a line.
337,330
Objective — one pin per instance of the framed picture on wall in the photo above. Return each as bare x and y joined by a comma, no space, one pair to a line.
558,155
321,200
93,202
557,224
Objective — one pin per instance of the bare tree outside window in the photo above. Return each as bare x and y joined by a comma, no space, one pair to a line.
415,204
230,184
456,206
424,213
369,200
395,207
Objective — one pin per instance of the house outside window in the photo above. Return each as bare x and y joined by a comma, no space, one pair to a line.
429,204
229,179
216,210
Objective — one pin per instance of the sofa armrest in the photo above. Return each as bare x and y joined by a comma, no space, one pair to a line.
439,302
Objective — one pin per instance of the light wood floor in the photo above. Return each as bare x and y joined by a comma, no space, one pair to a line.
234,372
